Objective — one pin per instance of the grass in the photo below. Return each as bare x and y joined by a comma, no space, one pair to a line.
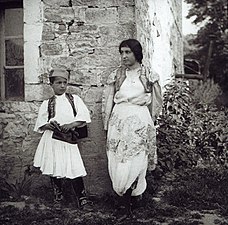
177,198
200,188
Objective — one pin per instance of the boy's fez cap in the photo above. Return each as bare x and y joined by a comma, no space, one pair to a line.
59,73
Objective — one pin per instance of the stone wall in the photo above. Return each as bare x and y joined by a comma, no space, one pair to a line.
83,37
17,137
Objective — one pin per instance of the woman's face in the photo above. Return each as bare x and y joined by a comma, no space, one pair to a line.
127,56
59,85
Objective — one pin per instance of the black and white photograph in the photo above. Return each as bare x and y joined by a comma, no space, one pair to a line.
113,112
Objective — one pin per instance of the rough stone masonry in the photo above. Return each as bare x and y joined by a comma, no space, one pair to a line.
82,36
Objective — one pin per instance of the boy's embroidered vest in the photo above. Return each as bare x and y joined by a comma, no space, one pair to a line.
121,76
51,105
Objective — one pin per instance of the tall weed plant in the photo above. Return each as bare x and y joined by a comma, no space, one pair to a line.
19,189
191,130
209,125
173,139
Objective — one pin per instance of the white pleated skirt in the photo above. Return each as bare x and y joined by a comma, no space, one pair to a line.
58,159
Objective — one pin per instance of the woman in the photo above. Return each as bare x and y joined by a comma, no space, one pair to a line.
131,102
57,157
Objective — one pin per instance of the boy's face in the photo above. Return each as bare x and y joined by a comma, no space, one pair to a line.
59,85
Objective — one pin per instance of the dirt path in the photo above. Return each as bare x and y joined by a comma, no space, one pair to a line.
140,217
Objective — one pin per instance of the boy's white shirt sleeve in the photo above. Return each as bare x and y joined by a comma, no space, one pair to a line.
82,110
42,118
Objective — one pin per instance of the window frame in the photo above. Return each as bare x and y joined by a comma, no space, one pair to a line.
7,4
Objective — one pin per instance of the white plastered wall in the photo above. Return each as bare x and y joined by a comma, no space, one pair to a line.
32,40
164,42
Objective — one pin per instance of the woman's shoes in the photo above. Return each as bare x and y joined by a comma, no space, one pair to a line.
124,212
127,206
136,202
85,204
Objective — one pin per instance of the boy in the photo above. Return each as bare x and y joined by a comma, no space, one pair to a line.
57,158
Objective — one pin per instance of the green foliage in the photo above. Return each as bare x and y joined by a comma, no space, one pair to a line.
191,128
200,188
174,149
205,94
210,136
209,125
210,11
18,189
212,15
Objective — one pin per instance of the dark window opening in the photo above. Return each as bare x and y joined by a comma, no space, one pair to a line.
12,50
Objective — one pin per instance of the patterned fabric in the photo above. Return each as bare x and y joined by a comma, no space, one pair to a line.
57,188
150,82
51,107
71,100
144,78
131,137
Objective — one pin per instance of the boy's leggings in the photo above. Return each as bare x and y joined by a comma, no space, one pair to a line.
77,184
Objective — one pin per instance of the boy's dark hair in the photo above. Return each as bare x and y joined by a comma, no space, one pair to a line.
51,79
135,47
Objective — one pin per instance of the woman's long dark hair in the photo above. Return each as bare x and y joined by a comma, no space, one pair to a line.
135,47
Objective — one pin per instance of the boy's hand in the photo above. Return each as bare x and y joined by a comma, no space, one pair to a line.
67,127
48,126
55,124
70,126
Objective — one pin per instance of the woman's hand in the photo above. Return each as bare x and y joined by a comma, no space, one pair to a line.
119,98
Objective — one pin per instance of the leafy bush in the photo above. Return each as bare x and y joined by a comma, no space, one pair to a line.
209,126
18,189
173,139
191,128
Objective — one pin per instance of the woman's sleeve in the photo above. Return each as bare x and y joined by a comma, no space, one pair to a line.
156,103
107,99
82,110
42,117
156,96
